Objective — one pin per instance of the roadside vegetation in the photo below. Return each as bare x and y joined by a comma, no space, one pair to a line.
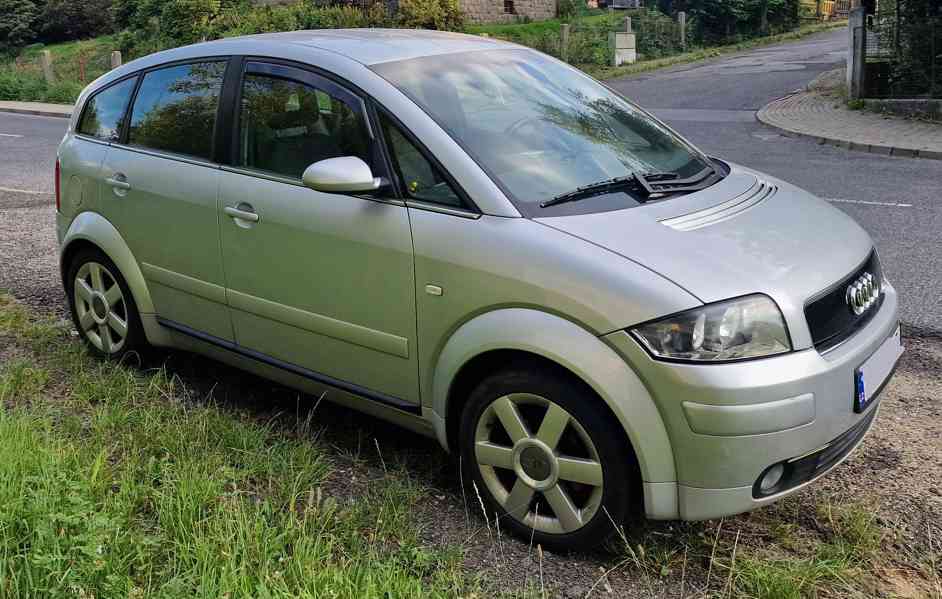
76,64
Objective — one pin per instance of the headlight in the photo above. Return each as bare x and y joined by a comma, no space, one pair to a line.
739,329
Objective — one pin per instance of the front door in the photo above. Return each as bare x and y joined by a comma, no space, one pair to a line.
320,282
160,189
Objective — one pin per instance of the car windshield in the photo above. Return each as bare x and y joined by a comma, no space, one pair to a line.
540,128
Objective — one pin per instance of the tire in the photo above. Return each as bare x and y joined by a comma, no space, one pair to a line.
547,458
102,306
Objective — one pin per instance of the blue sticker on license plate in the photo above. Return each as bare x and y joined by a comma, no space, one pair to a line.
860,403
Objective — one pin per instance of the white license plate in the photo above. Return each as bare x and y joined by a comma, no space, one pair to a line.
872,374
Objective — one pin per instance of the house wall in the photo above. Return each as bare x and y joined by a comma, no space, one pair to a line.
492,11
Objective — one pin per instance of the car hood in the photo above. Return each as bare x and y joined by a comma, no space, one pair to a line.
749,233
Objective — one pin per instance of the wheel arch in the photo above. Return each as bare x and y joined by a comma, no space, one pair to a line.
486,341
90,229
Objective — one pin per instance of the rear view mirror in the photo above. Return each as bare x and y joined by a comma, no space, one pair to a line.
345,174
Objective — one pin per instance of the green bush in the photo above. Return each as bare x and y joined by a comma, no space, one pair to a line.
732,20
9,86
431,14
29,87
63,20
188,21
63,92
566,9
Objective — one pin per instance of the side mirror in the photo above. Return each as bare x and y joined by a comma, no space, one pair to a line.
345,174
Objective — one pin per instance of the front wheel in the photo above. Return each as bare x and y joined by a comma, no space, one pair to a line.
547,458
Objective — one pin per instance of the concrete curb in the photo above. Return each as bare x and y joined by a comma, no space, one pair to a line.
37,111
763,117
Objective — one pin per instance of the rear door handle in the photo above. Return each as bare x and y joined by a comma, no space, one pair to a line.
241,214
118,181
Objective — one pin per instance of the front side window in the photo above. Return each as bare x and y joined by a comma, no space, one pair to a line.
540,128
104,112
287,125
175,109
420,178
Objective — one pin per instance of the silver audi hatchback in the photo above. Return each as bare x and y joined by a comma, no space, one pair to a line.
482,244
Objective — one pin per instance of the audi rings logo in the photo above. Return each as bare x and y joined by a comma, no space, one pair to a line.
863,293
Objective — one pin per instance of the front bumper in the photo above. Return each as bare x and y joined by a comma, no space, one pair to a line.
729,422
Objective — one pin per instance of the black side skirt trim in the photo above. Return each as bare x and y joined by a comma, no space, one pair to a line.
376,396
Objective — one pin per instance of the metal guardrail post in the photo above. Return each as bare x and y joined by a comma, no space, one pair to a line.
115,59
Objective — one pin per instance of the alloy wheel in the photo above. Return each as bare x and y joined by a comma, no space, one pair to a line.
101,307
539,463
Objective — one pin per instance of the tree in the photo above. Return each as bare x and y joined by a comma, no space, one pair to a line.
62,20
764,16
17,24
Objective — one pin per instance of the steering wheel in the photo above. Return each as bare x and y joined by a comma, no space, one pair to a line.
553,144
521,123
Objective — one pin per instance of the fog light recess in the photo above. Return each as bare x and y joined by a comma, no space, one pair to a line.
770,479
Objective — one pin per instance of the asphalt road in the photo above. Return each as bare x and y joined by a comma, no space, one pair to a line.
712,103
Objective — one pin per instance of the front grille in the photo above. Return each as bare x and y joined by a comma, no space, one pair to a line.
805,468
829,317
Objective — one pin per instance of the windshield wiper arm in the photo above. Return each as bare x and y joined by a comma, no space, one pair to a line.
674,184
587,191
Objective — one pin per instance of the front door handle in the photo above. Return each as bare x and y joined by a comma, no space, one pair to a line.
244,212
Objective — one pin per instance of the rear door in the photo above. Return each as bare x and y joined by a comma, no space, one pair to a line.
319,283
82,153
160,189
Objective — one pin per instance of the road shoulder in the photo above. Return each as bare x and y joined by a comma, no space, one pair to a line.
37,109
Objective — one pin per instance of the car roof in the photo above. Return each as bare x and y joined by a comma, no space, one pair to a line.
373,46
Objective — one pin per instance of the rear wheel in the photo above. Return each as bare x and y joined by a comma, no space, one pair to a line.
102,307
547,458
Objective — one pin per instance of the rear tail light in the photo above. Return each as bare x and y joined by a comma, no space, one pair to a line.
58,187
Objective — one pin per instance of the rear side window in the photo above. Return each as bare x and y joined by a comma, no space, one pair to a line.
175,109
287,125
104,112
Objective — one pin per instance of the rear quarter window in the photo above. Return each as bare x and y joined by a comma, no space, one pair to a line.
104,111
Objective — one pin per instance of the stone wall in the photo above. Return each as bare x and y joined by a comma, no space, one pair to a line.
493,11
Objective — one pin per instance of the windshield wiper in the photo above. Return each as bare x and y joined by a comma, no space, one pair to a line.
646,184
633,180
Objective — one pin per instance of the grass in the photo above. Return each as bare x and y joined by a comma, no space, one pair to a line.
767,554
610,72
118,483
535,27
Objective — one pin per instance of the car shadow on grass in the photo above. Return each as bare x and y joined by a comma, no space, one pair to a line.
365,448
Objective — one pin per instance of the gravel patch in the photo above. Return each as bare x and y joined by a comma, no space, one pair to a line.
29,269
